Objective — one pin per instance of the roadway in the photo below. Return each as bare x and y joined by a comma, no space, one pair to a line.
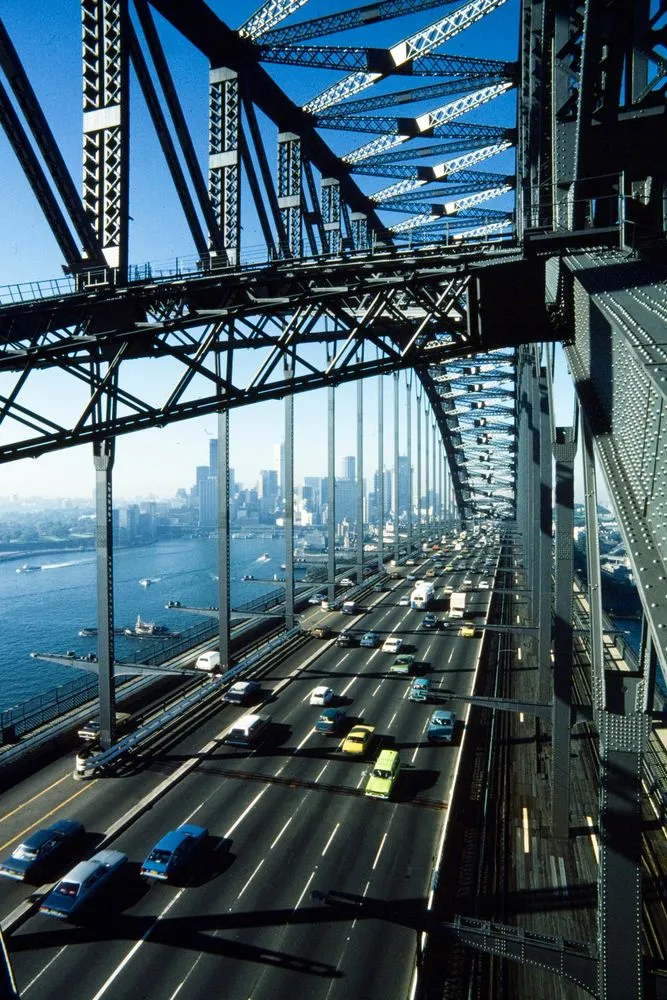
285,819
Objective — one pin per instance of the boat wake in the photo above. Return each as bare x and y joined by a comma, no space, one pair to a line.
63,565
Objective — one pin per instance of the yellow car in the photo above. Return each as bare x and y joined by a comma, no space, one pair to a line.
467,631
358,740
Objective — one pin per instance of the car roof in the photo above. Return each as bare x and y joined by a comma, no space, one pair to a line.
330,713
442,715
321,687
173,838
83,869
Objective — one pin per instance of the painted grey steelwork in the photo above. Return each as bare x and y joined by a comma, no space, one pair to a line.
360,482
288,506
331,494
224,560
379,492
104,453
564,449
410,500
340,277
396,497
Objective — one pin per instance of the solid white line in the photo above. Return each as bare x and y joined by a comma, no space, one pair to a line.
322,771
135,948
281,832
348,686
377,856
305,890
333,834
42,971
250,879
245,812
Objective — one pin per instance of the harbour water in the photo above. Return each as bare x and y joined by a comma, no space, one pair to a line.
43,611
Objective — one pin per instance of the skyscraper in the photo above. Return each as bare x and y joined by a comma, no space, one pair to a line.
213,456
347,467
279,466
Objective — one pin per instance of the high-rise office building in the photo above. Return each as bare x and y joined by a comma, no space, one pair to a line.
347,467
404,480
346,501
267,491
213,456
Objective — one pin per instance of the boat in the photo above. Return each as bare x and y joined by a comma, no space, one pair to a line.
25,568
265,557
144,630
283,566
247,576
145,582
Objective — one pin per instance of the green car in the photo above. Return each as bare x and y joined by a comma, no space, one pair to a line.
402,664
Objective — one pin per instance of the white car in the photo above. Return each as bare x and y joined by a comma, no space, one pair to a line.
467,582
321,695
483,584
404,601
392,644
449,589
346,582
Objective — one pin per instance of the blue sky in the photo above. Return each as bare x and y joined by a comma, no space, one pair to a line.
47,37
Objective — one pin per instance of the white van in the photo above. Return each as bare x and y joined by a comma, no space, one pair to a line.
208,661
246,731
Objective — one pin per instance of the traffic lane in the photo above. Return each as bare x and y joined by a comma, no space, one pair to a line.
274,938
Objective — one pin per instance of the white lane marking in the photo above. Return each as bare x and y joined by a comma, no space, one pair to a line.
305,890
306,737
376,689
333,834
348,686
363,775
250,879
280,770
135,948
406,693
414,754
281,832
185,979
377,856
368,885
245,812
45,969
362,712
450,657
322,771
392,719
195,811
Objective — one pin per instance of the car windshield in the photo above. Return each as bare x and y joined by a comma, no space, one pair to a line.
68,888
379,773
159,856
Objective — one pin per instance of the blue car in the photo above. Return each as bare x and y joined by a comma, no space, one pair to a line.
331,721
174,852
41,850
369,639
76,888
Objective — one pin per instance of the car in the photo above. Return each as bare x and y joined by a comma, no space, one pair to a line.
321,695
331,721
378,588
90,730
77,887
441,726
325,605
449,589
420,689
402,664
247,730
467,582
41,850
369,640
242,692
409,562
449,568
392,644
404,601
174,852
316,598
429,621
483,584
320,632
358,740
467,631
346,582
345,638
384,775
411,576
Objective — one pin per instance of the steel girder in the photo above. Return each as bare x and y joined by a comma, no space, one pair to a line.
591,104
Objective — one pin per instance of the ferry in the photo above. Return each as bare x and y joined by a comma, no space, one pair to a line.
25,568
143,630
145,582
265,557
247,576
